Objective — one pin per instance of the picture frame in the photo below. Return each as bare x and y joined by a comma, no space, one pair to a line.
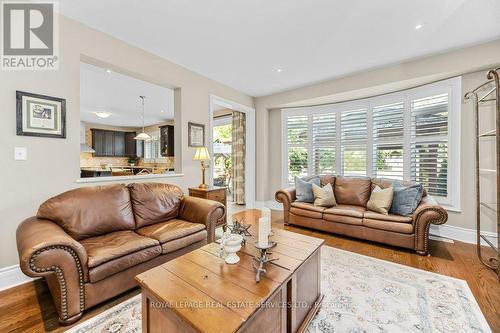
40,115
196,135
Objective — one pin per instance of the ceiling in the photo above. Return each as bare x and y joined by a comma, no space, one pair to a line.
105,91
262,47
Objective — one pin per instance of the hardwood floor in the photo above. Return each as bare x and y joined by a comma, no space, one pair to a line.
29,307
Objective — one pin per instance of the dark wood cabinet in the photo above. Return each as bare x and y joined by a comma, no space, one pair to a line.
119,144
130,144
167,140
114,143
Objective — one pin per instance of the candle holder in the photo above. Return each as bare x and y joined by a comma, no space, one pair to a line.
240,228
262,259
231,244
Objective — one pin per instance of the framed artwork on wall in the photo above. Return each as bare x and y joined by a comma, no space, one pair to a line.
196,135
39,115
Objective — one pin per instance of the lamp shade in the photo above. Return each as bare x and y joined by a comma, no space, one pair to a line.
201,154
142,136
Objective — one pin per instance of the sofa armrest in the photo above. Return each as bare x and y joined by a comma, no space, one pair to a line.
286,197
208,212
46,250
428,212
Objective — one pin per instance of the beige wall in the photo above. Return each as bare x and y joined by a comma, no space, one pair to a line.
53,164
370,83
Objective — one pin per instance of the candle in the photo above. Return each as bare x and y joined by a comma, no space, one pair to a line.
265,212
264,229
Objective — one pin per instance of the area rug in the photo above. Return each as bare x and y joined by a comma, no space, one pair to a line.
362,294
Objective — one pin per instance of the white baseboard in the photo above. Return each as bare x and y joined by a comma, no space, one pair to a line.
271,204
461,234
444,231
12,276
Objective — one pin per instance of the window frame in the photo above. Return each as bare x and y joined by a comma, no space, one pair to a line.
452,86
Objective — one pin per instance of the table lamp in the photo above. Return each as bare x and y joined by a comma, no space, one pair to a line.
202,156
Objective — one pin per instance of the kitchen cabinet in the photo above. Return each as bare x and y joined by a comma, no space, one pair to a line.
119,144
114,143
167,141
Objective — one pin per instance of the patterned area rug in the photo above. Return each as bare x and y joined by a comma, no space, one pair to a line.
362,294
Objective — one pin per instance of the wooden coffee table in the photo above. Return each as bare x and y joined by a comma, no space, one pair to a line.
199,292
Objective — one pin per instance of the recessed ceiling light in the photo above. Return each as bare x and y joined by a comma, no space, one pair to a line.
108,71
162,111
103,114
279,70
418,26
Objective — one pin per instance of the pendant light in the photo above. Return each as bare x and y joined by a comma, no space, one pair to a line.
142,136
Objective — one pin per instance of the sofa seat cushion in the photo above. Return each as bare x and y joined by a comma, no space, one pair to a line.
115,252
180,243
346,210
170,230
306,209
342,219
404,228
391,218
114,245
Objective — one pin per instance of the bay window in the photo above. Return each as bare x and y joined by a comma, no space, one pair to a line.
411,135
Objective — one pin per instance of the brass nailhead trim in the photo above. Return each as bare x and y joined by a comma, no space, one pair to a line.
60,275
440,220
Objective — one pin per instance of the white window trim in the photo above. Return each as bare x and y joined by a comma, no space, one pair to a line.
454,88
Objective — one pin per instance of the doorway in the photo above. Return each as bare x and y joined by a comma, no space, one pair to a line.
230,121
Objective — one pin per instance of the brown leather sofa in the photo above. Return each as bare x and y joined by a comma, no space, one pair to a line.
90,243
351,218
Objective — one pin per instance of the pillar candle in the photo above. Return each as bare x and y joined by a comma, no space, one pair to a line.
265,212
264,229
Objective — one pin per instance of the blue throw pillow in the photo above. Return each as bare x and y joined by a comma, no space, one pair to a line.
406,198
303,189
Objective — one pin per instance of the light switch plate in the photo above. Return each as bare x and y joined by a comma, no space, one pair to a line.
20,153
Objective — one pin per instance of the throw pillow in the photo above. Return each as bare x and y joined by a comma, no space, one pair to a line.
324,196
303,189
380,200
406,198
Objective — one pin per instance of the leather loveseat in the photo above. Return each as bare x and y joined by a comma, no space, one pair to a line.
90,243
350,216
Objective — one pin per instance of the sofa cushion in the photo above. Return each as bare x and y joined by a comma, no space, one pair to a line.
303,189
346,210
122,263
387,182
406,198
390,218
352,190
380,200
170,230
155,202
323,196
306,209
114,245
182,242
405,228
90,211
343,219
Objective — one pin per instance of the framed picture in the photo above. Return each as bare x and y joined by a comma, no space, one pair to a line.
196,134
38,115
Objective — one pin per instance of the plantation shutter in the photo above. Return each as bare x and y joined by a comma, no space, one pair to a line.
323,143
297,144
353,138
429,143
388,136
